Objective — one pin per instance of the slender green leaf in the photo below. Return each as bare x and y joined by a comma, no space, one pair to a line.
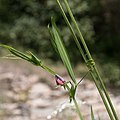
61,49
52,39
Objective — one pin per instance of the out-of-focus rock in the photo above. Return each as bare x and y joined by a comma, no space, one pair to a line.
39,103
39,90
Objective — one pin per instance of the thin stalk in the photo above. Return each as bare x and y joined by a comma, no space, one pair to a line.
102,96
106,93
92,114
90,58
71,29
48,70
76,105
82,78
77,28
78,109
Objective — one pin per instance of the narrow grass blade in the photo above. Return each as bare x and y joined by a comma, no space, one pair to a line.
52,39
61,49
92,114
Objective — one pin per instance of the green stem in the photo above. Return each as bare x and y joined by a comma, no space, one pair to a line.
76,105
90,58
77,108
71,29
106,93
48,70
77,28
82,78
102,96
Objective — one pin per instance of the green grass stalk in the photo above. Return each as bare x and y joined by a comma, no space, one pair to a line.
106,93
76,104
78,109
88,59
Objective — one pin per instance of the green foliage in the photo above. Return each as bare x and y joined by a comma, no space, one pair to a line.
23,23
56,39
90,65
105,16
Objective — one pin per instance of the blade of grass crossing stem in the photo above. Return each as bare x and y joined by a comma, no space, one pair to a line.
92,114
61,50
90,57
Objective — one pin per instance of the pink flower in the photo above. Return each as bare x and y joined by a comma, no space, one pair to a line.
59,80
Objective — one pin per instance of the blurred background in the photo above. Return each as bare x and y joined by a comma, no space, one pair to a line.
23,25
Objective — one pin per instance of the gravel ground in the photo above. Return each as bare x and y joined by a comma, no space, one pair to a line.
29,93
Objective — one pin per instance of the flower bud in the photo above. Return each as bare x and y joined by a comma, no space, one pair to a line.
59,80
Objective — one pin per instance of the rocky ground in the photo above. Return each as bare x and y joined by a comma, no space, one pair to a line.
29,93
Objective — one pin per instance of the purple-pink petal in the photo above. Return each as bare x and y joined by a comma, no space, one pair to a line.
59,80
